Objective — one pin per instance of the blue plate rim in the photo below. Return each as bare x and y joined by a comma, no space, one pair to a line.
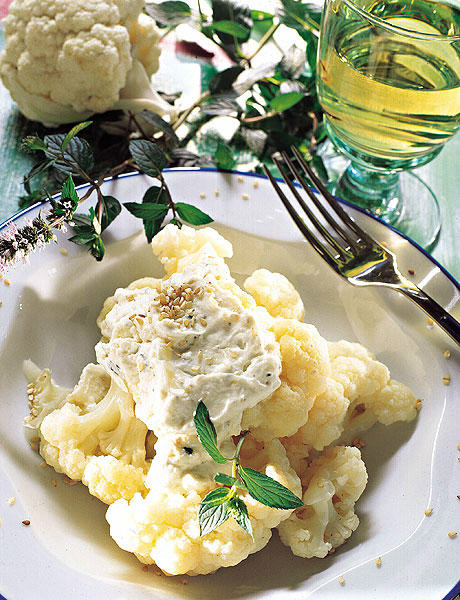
455,591
451,278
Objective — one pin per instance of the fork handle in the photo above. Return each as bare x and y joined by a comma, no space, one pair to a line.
450,325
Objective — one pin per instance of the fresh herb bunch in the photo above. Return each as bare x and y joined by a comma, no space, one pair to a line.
224,502
72,157
275,107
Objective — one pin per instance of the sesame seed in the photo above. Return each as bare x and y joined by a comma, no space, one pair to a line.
378,562
196,368
1,303
43,464
458,496
217,192
35,439
26,522
358,442
63,251
141,367
203,322
411,271
446,354
428,512
452,534
245,196
320,484
418,404
7,282
34,447
145,568
255,184
200,356
341,581
184,581
446,379
11,500
240,179
202,195
430,322
54,482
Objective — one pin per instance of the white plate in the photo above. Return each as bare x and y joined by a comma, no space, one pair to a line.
49,313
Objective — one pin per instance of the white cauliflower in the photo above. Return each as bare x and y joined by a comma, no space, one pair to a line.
333,483
65,60
163,527
43,394
305,366
373,395
97,422
276,293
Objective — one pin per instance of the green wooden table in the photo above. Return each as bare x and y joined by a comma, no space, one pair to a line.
442,174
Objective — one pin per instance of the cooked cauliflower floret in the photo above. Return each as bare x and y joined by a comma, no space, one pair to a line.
333,483
276,293
96,419
110,479
373,395
163,527
305,365
44,395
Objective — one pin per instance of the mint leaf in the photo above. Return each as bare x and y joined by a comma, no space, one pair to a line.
241,32
156,121
171,12
229,481
111,208
68,192
33,142
154,195
77,156
97,249
192,214
207,433
222,81
285,101
148,156
146,211
239,512
213,510
73,132
83,238
266,490
224,156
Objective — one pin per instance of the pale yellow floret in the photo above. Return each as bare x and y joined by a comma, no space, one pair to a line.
97,420
305,366
332,483
110,479
163,528
276,293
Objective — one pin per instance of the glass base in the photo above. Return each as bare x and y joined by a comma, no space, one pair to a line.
402,200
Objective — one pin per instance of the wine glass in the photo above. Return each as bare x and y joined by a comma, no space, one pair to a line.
389,85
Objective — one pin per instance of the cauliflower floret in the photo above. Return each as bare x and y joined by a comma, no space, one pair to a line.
373,395
44,395
276,293
110,479
67,59
176,248
97,419
333,483
163,527
305,366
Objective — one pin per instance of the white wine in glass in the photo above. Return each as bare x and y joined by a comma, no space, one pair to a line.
389,84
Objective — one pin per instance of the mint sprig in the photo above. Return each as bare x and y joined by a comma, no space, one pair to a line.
222,503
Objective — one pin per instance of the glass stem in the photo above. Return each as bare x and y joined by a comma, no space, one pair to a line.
374,191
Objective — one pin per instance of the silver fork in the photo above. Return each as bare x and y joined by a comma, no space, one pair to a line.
349,250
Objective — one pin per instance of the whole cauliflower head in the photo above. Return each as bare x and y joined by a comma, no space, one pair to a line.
95,437
332,483
163,528
65,60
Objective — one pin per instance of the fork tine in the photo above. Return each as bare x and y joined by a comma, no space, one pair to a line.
333,203
343,252
320,206
322,250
